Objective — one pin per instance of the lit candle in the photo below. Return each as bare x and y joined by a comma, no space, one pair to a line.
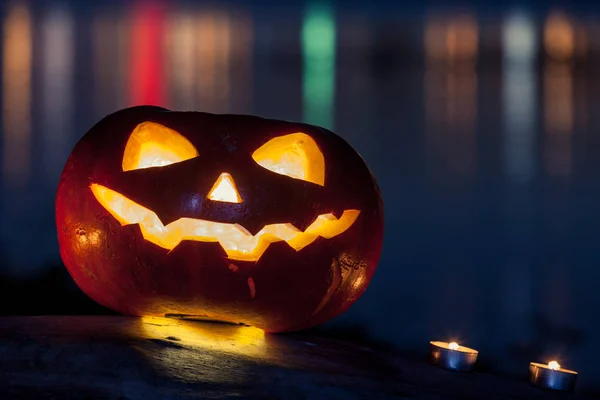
552,376
452,356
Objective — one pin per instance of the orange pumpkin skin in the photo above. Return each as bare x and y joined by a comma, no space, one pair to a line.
284,290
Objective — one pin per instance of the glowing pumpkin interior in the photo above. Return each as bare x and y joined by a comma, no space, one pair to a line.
295,155
224,190
154,145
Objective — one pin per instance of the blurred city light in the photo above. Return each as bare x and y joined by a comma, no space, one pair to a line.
451,39
214,33
16,100
181,59
519,95
519,42
199,50
559,37
146,60
558,118
451,45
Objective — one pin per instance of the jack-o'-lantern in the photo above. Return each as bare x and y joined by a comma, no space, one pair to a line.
273,224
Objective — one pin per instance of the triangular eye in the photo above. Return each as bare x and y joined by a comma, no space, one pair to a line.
154,145
295,155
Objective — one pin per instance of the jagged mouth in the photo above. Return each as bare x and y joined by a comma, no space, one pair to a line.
238,243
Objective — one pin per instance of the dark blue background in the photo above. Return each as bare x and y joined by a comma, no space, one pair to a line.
487,164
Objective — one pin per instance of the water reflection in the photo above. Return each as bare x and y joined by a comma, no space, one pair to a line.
214,45
58,45
519,95
451,91
146,49
318,49
559,37
518,300
559,44
354,107
209,60
452,40
453,312
110,42
16,99
181,45
278,67
556,294
241,55
558,119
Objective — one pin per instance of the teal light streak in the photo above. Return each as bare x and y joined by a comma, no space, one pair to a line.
318,52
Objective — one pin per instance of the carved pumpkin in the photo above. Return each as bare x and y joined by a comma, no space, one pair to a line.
273,224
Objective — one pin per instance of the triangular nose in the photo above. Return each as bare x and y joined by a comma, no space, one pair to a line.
224,190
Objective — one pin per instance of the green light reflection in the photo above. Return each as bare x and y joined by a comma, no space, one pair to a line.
318,51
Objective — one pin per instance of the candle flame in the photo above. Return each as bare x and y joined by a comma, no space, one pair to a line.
453,346
554,365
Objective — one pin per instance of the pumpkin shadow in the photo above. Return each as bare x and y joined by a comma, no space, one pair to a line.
355,333
360,350
49,292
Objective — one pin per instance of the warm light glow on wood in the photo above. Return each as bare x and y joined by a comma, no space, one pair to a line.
225,190
16,93
295,155
243,340
237,242
155,145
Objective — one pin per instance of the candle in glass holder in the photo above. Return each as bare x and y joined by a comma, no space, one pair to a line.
452,356
552,376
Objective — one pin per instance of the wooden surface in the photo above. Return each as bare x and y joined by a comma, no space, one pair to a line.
153,358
